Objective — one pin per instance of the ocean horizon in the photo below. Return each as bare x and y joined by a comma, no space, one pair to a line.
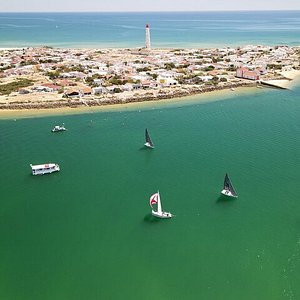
168,29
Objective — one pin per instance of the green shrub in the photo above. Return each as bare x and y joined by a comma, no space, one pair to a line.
6,89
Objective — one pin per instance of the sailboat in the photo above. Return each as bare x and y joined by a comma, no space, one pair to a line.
159,213
148,143
228,189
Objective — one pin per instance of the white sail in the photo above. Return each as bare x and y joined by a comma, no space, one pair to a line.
155,199
159,209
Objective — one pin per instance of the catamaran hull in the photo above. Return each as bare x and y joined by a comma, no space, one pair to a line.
163,215
228,193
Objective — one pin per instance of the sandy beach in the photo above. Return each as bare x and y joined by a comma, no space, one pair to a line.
150,103
143,101
290,76
216,95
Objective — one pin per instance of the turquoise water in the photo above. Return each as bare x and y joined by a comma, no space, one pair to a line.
86,232
183,30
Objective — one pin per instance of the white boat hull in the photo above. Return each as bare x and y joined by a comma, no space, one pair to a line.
228,193
148,145
44,169
58,129
162,215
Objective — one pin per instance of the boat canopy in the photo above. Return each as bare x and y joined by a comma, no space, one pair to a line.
44,166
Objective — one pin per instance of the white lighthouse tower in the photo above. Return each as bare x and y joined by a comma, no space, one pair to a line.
148,45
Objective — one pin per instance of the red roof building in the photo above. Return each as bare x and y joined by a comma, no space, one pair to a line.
247,74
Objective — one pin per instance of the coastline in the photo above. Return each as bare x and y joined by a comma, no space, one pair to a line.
45,81
287,83
41,109
195,96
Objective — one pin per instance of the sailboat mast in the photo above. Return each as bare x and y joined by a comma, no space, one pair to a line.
159,210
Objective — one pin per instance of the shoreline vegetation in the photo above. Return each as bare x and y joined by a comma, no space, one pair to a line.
49,78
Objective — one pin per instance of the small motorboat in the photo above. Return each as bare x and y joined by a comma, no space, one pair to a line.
58,128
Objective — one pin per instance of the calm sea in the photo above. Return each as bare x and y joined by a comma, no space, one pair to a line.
87,233
199,29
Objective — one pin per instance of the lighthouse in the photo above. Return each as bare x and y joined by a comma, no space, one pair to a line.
148,46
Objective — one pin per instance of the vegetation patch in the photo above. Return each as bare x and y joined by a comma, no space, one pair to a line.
6,89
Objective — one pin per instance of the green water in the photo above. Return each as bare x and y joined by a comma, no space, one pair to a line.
86,232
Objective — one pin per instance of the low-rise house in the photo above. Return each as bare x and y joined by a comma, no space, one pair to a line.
85,90
98,82
262,70
112,88
136,86
245,73
73,74
72,93
23,91
65,82
127,87
52,87
146,84
205,78
214,73
99,90
43,88
166,81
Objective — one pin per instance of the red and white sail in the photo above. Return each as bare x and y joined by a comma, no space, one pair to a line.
155,199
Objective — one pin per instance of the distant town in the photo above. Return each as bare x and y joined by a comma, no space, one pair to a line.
46,77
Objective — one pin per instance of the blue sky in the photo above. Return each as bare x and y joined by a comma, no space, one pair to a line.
142,5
